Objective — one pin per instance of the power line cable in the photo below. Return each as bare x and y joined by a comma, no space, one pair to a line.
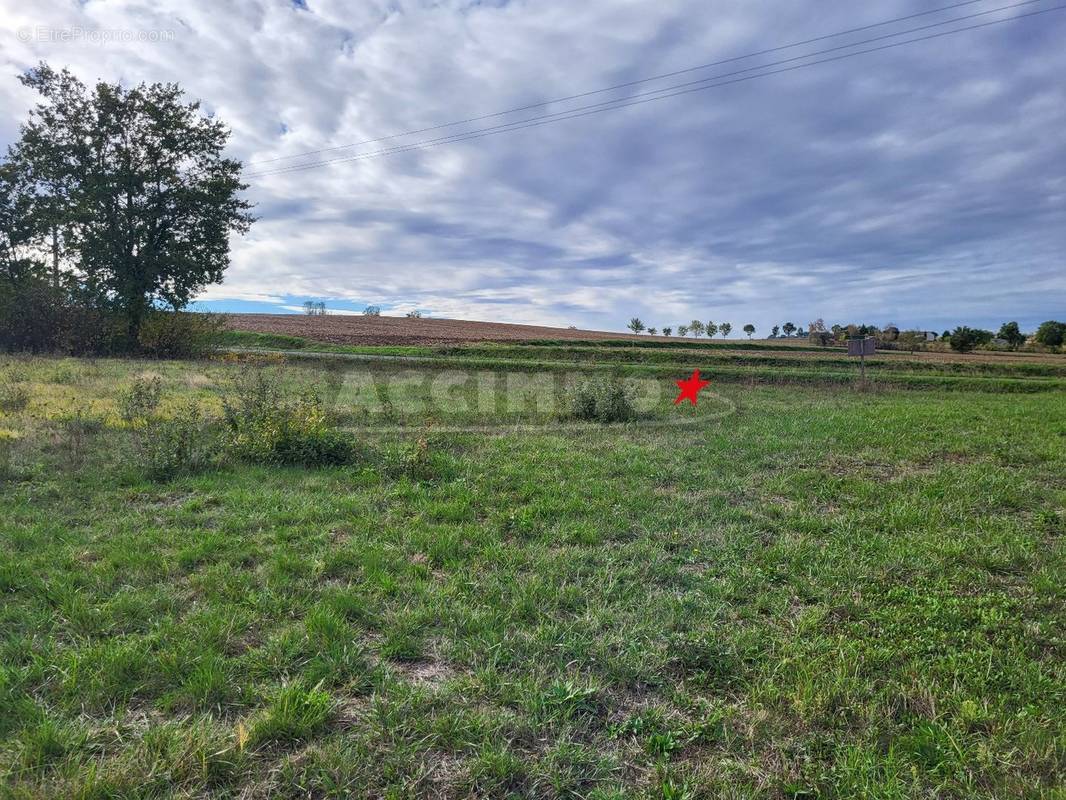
627,102
626,85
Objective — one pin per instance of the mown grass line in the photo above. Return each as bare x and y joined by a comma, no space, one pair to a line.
725,374
649,355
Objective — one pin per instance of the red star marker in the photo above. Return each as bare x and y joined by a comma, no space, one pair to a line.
690,388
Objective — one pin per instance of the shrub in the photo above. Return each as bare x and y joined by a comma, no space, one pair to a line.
265,425
37,316
140,400
180,334
602,400
181,444
14,397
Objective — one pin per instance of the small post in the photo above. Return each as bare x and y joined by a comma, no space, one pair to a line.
862,348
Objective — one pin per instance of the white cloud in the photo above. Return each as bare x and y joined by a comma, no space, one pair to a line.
918,183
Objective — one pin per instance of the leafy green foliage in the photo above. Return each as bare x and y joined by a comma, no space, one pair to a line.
1051,334
176,445
1011,333
265,424
602,400
141,398
964,339
83,153
177,334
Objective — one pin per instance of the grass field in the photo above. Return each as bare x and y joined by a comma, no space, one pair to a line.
800,590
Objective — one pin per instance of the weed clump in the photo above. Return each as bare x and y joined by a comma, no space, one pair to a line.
176,445
602,400
418,461
14,397
295,714
263,424
140,400
76,429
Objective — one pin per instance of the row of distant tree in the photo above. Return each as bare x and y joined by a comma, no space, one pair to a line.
695,328
962,339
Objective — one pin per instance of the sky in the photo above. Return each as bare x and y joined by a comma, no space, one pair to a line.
922,185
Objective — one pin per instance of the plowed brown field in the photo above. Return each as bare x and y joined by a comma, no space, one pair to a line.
349,329
361,330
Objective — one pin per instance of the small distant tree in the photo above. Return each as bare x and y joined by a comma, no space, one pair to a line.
749,329
788,328
635,325
726,328
1011,333
682,330
313,309
818,326
945,335
964,339
372,311
652,331
712,330
414,314
667,331
1050,333
775,331
696,328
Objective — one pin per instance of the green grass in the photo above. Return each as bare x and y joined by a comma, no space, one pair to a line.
826,593
732,362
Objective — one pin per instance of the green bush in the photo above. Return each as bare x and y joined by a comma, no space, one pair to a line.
601,400
266,425
179,334
140,400
181,444
36,316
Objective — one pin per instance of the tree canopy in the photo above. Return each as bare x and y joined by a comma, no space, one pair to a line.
125,190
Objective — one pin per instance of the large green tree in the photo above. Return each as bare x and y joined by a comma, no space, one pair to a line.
1051,333
132,192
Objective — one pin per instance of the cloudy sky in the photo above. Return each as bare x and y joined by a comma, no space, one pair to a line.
923,185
